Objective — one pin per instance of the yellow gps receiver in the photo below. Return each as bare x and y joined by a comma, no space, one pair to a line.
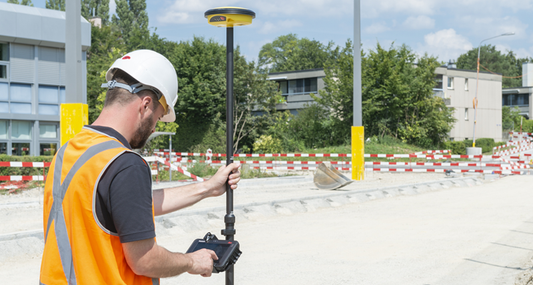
229,16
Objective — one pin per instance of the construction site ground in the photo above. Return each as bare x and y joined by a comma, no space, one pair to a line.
391,228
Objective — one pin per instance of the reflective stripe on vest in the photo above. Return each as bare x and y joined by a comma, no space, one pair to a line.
56,214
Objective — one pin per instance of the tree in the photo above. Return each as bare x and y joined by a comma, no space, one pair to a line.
509,65
55,5
106,47
22,2
397,96
131,20
288,53
98,8
510,118
255,101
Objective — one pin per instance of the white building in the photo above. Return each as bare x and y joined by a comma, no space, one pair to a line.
32,77
458,89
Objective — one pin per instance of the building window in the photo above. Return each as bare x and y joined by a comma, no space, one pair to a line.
466,84
20,148
4,59
49,99
21,130
3,136
298,86
20,98
438,81
3,130
515,100
3,71
48,148
4,52
466,114
48,131
450,82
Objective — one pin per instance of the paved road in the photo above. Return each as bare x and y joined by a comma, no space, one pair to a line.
468,235
476,235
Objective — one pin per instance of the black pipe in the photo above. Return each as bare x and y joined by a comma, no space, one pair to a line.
229,219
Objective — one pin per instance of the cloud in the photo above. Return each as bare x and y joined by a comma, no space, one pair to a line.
273,27
446,44
377,28
375,9
418,23
313,9
186,11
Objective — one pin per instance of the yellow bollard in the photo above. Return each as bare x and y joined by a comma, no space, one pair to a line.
358,153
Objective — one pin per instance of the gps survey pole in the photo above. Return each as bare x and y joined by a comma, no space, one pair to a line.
229,17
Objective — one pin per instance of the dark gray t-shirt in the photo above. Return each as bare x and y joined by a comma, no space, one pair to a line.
124,195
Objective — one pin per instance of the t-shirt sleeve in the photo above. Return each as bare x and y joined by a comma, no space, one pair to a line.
130,198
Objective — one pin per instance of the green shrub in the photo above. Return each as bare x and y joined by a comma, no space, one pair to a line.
457,147
485,144
267,144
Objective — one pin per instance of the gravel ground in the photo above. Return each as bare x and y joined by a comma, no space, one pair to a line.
23,212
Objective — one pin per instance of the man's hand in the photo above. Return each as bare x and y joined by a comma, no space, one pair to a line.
173,199
201,262
217,183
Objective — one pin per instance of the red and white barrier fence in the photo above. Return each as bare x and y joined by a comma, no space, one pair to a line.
412,155
174,167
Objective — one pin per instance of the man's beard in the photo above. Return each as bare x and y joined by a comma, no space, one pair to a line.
142,133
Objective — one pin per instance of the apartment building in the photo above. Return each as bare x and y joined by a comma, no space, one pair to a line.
457,87
295,87
521,96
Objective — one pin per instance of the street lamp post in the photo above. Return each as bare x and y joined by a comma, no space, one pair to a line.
475,103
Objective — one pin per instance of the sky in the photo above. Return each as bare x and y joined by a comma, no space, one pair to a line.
445,29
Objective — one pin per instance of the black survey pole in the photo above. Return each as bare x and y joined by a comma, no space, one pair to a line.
229,17
229,219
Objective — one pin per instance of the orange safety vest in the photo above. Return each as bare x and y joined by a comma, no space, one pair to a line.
78,249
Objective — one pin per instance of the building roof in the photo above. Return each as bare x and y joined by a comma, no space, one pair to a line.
37,26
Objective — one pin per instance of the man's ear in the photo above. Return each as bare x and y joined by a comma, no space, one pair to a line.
145,103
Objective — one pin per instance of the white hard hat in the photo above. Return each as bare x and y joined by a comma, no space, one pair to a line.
154,72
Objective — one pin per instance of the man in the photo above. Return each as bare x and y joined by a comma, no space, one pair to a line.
98,203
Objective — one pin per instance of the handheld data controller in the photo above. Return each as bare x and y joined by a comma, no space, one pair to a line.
227,251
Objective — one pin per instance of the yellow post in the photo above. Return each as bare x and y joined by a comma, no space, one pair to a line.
358,153
73,117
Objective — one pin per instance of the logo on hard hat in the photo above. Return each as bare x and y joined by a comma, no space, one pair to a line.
126,57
